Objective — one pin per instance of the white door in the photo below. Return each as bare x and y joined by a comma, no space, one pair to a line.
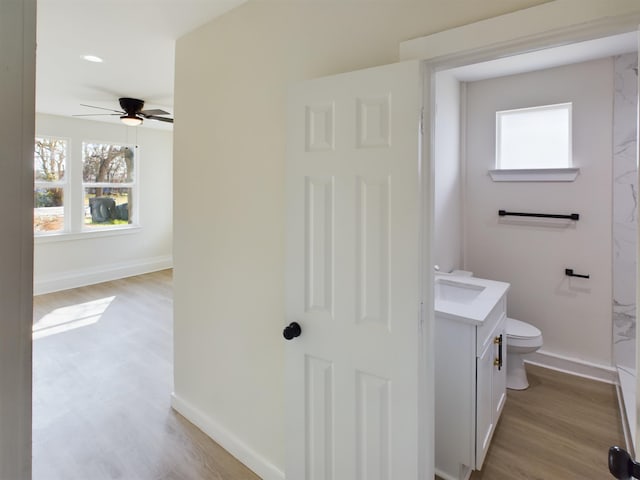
353,276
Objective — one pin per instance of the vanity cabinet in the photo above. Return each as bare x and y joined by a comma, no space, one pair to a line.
470,388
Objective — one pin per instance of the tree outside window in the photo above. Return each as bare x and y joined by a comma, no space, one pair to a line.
50,182
109,183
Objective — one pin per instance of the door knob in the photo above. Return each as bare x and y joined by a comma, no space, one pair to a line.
292,331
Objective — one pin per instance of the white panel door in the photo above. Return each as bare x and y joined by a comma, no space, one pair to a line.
353,276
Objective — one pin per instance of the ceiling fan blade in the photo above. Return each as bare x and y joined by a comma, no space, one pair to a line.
162,119
156,111
132,108
96,114
101,108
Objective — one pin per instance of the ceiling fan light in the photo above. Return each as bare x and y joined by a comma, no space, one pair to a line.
131,120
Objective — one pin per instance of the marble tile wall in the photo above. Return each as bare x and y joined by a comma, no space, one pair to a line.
625,209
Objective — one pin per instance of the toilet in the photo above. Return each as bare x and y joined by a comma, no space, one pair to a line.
522,338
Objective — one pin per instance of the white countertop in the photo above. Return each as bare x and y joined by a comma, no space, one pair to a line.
466,299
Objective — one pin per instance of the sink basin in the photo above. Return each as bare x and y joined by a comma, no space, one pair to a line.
451,291
466,299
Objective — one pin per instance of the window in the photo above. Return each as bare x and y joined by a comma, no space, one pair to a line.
534,138
534,145
108,183
94,191
50,184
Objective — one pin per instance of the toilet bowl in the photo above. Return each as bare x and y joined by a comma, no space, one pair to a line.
522,338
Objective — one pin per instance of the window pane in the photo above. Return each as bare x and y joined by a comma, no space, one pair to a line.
105,163
48,214
50,155
534,137
107,206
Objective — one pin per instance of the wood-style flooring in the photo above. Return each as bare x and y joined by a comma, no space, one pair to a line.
103,376
560,428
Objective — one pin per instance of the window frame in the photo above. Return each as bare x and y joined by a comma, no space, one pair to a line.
73,195
567,107
64,184
134,186
565,173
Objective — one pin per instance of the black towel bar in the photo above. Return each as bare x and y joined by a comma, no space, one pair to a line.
573,216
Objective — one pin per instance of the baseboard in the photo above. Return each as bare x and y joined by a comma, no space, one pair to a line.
573,366
446,476
626,390
230,442
625,421
88,276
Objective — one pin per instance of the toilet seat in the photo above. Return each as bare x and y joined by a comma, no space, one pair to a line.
520,329
522,334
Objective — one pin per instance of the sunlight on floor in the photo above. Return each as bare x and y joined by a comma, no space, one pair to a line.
68,318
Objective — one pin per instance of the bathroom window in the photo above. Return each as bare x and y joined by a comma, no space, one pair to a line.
535,140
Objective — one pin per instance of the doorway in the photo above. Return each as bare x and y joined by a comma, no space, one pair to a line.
453,194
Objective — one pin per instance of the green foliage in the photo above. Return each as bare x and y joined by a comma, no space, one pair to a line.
48,197
111,221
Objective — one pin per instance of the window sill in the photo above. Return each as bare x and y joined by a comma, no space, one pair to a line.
535,175
85,235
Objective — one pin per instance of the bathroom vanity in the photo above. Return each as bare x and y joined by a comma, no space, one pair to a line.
470,370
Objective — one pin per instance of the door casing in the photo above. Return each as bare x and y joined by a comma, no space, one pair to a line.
603,27
600,28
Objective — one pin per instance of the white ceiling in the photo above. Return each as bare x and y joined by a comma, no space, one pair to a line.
136,40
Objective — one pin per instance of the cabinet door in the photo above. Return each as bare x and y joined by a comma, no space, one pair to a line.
500,373
484,402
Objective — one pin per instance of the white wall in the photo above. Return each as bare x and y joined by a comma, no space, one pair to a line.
66,262
573,314
448,234
17,97
232,76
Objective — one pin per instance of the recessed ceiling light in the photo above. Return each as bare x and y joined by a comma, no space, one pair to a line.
92,58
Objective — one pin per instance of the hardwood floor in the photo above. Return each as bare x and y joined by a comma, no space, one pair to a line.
103,376
560,428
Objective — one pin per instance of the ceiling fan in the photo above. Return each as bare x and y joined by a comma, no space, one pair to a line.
132,113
